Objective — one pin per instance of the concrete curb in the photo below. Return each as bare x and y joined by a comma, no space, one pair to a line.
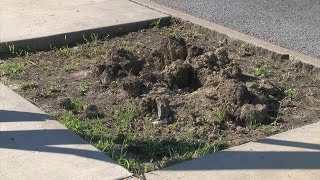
58,23
72,38
233,36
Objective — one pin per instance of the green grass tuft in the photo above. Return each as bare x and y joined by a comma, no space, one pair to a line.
12,69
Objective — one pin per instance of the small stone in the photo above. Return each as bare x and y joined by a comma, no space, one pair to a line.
156,122
163,110
163,121
92,111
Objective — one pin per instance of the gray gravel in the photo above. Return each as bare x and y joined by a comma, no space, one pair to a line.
294,24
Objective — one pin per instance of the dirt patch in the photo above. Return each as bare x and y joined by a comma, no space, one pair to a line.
167,94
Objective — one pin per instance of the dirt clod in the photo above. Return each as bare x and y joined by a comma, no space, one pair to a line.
222,56
257,113
232,95
92,111
177,48
194,51
207,60
133,86
232,71
66,104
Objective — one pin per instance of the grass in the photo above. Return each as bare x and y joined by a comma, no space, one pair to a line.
163,152
53,89
77,104
69,51
220,116
129,46
12,69
172,32
250,122
156,23
17,51
262,71
71,65
84,88
94,38
124,119
28,85
290,93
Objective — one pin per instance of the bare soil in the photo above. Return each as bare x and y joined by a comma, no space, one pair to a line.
180,85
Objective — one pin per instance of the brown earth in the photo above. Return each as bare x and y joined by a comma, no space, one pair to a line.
181,84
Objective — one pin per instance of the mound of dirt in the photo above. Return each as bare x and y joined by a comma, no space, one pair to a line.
189,71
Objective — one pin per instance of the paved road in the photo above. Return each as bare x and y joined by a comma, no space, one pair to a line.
294,24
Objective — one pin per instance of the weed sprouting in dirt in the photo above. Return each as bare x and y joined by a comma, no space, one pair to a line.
84,88
220,116
290,93
262,70
156,23
250,121
71,65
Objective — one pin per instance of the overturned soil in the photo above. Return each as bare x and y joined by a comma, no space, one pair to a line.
180,85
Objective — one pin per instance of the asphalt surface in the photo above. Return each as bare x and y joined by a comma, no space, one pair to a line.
293,24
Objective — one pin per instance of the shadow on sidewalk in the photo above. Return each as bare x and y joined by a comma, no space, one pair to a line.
48,140
42,140
17,116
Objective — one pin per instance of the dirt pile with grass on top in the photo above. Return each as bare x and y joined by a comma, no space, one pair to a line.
190,82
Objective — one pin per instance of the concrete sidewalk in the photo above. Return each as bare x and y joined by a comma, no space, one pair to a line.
34,147
42,24
294,154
